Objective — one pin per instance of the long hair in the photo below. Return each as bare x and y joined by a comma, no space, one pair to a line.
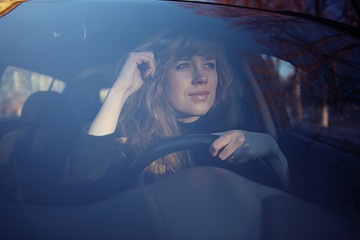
147,116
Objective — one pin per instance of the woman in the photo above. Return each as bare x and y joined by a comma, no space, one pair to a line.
175,83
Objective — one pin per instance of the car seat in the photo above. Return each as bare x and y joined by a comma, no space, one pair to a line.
10,187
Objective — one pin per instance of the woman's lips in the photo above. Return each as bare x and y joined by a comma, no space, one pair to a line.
200,95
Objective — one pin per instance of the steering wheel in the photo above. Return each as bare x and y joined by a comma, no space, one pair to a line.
170,145
257,171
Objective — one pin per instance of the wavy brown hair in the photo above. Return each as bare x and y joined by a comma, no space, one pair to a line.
147,116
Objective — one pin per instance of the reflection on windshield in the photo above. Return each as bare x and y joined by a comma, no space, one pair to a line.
313,69
18,84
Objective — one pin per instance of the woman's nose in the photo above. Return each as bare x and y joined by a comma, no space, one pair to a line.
199,77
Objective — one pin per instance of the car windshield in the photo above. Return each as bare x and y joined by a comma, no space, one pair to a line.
294,79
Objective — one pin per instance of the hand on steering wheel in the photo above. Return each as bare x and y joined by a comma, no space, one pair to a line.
238,147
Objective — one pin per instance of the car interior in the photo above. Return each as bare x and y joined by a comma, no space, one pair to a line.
59,62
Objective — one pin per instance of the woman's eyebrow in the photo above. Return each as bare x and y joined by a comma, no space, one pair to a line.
184,58
209,57
187,58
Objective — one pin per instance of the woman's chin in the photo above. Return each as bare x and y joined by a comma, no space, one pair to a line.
189,119
195,115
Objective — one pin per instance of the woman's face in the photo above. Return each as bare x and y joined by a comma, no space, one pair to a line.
191,87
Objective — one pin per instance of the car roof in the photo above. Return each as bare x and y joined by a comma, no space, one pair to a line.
88,33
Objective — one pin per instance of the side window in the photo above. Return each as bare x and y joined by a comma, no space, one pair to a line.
18,84
319,104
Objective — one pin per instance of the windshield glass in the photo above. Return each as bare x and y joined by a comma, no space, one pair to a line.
293,80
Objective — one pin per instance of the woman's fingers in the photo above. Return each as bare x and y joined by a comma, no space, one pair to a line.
151,66
230,149
138,67
227,144
147,58
242,146
218,144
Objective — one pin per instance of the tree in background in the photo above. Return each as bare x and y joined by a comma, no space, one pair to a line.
346,11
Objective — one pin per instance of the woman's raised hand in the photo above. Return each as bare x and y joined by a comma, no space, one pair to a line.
128,82
131,78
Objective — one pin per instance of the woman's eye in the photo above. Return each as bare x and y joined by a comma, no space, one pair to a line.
210,65
183,66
